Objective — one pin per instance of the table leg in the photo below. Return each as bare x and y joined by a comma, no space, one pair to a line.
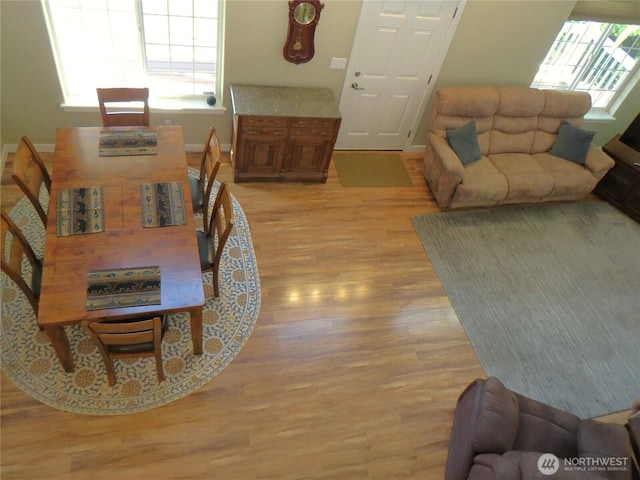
196,330
60,342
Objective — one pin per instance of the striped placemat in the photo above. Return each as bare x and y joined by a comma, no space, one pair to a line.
115,143
80,210
162,204
123,287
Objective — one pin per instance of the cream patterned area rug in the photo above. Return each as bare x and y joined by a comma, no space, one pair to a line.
30,363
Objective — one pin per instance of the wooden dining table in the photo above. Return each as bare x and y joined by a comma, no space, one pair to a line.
124,242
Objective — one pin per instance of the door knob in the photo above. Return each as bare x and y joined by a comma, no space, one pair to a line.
355,86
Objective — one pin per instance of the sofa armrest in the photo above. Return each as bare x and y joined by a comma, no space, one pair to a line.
598,162
460,456
442,169
447,156
485,421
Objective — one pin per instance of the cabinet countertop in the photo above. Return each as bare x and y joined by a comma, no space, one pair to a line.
284,101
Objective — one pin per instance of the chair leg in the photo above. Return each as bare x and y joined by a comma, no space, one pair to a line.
157,350
216,289
111,372
159,367
108,365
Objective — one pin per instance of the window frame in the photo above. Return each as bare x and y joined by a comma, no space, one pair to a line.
619,94
178,103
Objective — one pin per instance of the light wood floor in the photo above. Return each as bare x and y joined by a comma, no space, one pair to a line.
352,372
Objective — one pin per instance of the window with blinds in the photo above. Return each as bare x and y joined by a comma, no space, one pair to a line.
174,47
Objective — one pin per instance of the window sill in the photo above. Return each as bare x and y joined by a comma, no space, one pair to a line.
599,117
196,106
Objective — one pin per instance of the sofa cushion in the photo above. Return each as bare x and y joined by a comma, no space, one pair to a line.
572,143
518,465
513,465
544,428
515,120
481,184
488,466
503,141
566,104
528,181
464,141
569,178
467,101
520,102
606,441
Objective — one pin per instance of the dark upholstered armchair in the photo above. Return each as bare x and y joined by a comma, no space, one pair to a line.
500,434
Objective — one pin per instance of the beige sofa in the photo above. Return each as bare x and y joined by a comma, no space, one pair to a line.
516,128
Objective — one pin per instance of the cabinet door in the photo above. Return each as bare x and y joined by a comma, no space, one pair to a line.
311,144
260,152
309,152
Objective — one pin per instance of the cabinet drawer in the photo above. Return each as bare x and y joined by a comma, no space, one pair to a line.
263,121
319,133
259,131
313,122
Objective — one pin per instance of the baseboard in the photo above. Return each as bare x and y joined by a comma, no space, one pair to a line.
416,148
5,152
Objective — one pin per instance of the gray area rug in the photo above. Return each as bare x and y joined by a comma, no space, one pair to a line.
549,296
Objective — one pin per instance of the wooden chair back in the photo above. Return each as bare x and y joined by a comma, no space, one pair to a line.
30,174
221,222
14,253
127,339
124,107
209,166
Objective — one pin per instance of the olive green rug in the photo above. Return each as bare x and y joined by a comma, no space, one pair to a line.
371,169
29,361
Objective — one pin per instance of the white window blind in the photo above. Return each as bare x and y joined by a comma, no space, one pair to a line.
599,58
171,46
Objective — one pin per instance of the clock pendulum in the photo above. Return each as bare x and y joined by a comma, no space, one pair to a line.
298,43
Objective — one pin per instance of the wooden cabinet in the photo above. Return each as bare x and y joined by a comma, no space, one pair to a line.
283,144
259,147
621,185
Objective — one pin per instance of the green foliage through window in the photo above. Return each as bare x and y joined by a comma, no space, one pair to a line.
598,58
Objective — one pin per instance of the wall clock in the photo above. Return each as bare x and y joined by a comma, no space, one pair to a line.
303,18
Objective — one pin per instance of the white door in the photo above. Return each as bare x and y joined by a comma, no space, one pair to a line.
398,48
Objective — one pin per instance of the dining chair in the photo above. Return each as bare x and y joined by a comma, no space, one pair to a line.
13,259
30,174
124,107
212,240
127,339
209,164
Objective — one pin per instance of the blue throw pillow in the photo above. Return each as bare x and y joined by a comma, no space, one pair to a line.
572,143
464,141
